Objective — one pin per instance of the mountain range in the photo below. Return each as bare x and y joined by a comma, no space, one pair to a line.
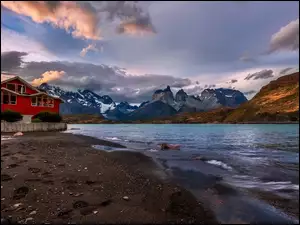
162,104
277,101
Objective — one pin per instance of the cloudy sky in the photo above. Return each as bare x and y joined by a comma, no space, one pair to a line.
129,49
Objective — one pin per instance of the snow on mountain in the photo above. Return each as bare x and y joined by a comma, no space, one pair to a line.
88,100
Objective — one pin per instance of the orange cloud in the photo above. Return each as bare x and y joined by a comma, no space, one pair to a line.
48,76
90,47
80,21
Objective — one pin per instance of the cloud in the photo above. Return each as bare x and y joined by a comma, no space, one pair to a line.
285,70
140,25
247,58
82,19
90,47
48,76
287,38
251,92
102,79
11,61
78,19
263,74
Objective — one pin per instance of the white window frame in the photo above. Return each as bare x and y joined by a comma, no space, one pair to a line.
9,98
35,101
24,88
43,105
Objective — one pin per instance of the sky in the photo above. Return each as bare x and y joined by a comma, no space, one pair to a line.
130,49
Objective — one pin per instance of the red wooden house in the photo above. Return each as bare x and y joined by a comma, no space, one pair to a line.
20,96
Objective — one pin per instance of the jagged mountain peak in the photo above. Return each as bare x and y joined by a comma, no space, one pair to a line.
80,101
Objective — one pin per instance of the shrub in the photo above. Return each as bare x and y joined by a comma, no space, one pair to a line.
36,120
11,116
47,117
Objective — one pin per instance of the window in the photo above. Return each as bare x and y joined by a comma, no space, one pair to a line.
5,98
39,101
33,101
21,88
8,98
50,102
13,99
11,87
45,101
42,101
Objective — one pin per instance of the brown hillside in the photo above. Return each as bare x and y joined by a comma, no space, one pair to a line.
277,101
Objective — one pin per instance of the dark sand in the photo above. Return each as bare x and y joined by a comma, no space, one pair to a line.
60,178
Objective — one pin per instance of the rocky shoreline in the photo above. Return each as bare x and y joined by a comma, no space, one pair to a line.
59,178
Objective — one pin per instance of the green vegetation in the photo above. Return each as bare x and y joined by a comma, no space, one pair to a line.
36,120
47,117
11,116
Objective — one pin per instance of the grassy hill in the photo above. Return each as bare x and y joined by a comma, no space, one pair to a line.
276,102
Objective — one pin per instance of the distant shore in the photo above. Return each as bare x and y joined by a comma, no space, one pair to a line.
59,178
98,119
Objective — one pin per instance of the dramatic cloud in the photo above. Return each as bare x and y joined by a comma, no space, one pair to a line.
11,61
47,77
233,81
103,79
263,74
82,19
78,19
90,47
287,38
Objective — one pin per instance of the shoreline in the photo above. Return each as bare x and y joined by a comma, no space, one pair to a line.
134,122
59,177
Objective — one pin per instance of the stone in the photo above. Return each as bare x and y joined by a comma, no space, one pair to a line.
32,213
18,134
126,198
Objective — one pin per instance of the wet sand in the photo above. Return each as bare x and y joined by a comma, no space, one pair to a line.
60,178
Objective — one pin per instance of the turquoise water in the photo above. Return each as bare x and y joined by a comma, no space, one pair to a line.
262,157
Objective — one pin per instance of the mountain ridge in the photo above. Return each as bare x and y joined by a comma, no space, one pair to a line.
276,102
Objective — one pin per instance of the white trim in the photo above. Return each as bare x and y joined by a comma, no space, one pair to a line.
23,81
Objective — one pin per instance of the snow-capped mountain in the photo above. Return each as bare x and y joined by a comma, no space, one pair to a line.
209,99
81,101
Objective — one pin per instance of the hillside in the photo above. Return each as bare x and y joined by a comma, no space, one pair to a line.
276,102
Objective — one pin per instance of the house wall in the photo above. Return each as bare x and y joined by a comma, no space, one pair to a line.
16,81
24,107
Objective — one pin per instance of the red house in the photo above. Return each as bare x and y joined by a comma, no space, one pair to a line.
20,96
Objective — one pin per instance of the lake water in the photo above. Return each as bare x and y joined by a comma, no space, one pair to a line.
257,160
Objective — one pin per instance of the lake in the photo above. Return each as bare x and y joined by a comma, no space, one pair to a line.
260,162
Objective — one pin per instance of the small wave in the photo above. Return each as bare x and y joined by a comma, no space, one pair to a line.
220,164
153,150
6,138
269,186
113,138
